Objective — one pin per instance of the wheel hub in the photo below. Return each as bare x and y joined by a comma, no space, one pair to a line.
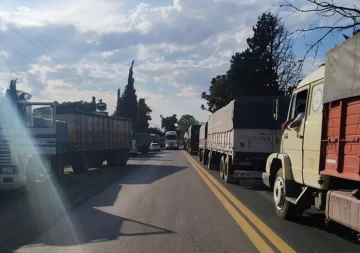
279,193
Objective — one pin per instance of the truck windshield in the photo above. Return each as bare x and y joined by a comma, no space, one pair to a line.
39,116
171,137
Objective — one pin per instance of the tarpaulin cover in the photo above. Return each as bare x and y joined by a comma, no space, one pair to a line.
248,112
342,71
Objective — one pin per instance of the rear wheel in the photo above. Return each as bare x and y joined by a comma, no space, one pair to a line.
204,158
222,167
210,161
81,164
228,171
283,208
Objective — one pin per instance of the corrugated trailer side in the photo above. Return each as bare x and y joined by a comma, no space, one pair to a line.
93,139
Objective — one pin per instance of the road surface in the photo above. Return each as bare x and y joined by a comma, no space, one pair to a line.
167,202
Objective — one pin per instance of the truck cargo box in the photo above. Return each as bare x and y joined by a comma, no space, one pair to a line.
248,112
91,132
341,98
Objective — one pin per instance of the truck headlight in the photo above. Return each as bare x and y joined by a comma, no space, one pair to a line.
7,170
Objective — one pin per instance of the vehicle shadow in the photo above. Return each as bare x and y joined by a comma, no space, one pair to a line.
317,220
28,215
90,224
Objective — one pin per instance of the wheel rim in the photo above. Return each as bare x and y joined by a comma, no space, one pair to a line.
279,193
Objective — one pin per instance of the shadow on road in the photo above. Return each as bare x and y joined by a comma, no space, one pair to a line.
24,217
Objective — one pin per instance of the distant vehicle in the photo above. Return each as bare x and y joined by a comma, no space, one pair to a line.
155,147
171,140
192,139
143,142
155,138
133,150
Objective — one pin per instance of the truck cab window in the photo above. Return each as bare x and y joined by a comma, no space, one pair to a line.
39,116
298,99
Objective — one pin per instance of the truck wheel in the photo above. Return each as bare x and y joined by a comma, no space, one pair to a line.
200,155
58,169
228,170
204,158
283,208
81,164
222,167
210,161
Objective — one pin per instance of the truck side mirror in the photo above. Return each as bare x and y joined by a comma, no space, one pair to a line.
276,109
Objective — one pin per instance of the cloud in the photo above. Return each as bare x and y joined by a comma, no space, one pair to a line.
79,49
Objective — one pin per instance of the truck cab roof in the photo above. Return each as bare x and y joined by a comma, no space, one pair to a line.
313,77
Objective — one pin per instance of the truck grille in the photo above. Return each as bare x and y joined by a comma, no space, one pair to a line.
5,155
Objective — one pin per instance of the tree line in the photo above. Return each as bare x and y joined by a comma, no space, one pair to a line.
267,67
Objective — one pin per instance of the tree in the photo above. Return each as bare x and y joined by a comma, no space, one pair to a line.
219,93
184,123
155,130
72,107
127,103
266,68
341,18
144,115
168,123
13,94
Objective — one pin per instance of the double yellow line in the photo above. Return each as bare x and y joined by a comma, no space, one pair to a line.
229,201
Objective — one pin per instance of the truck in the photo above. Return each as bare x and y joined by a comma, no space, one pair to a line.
143,142
240,136
319,162
133,150
36,142
192,141
155,138
171,140
203,142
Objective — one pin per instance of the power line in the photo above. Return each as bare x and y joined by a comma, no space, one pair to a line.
24,37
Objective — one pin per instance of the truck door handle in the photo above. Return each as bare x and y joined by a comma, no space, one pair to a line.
301,136
286,136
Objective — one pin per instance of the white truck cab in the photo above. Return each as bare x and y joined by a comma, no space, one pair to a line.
27,136
171,140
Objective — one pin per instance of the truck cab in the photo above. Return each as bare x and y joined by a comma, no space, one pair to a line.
27,139
294,172
171,140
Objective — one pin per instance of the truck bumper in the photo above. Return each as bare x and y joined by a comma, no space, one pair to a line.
12,181
266,179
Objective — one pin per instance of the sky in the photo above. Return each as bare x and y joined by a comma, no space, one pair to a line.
73,50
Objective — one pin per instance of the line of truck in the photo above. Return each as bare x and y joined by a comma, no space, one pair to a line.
314,164
37,141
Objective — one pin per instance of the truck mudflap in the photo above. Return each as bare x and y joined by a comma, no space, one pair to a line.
344,208
248,178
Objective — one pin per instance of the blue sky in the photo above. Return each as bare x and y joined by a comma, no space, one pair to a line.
83,48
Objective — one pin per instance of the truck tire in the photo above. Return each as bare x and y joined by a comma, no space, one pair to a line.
58,169
210,161
204,158
222,167
200,155
283,208
81,164
228,170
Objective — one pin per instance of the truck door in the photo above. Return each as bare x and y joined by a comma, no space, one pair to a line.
40,119
292,138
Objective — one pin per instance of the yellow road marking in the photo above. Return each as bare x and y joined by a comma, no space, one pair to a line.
254,237
279,243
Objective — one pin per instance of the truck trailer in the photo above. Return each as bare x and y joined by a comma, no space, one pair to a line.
143,142
192,139
36,142
240,137
319,162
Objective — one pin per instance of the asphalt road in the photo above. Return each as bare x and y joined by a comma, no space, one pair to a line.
166,202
